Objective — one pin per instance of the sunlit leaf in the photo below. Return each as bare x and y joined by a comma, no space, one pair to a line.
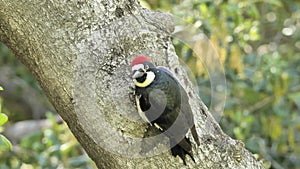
66,148
4,141
203,9
3,119
267,164
1,88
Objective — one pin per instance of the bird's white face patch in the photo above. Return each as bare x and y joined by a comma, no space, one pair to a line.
149,79
137,67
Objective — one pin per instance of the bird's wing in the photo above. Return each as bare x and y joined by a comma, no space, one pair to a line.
158,102
185,106
188,114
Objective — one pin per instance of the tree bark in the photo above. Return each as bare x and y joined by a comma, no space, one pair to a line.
80,53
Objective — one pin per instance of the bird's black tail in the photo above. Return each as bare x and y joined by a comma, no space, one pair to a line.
183,148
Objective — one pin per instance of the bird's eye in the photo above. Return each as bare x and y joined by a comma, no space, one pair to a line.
146,67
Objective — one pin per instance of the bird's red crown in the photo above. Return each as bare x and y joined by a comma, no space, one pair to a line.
140,60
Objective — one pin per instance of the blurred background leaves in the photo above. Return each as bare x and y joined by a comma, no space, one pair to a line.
258,43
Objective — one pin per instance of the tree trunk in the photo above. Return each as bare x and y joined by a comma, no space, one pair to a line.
80,52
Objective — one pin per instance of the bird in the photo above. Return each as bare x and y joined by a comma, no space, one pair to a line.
162,102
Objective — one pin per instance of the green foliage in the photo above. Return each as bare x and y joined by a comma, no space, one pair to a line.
3,119
5,144
54,147
258,44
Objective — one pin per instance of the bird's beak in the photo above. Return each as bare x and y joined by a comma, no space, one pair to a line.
137,74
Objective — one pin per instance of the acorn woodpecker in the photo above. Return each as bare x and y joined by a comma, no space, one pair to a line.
163,103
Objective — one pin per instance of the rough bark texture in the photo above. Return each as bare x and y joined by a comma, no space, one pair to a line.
79,51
